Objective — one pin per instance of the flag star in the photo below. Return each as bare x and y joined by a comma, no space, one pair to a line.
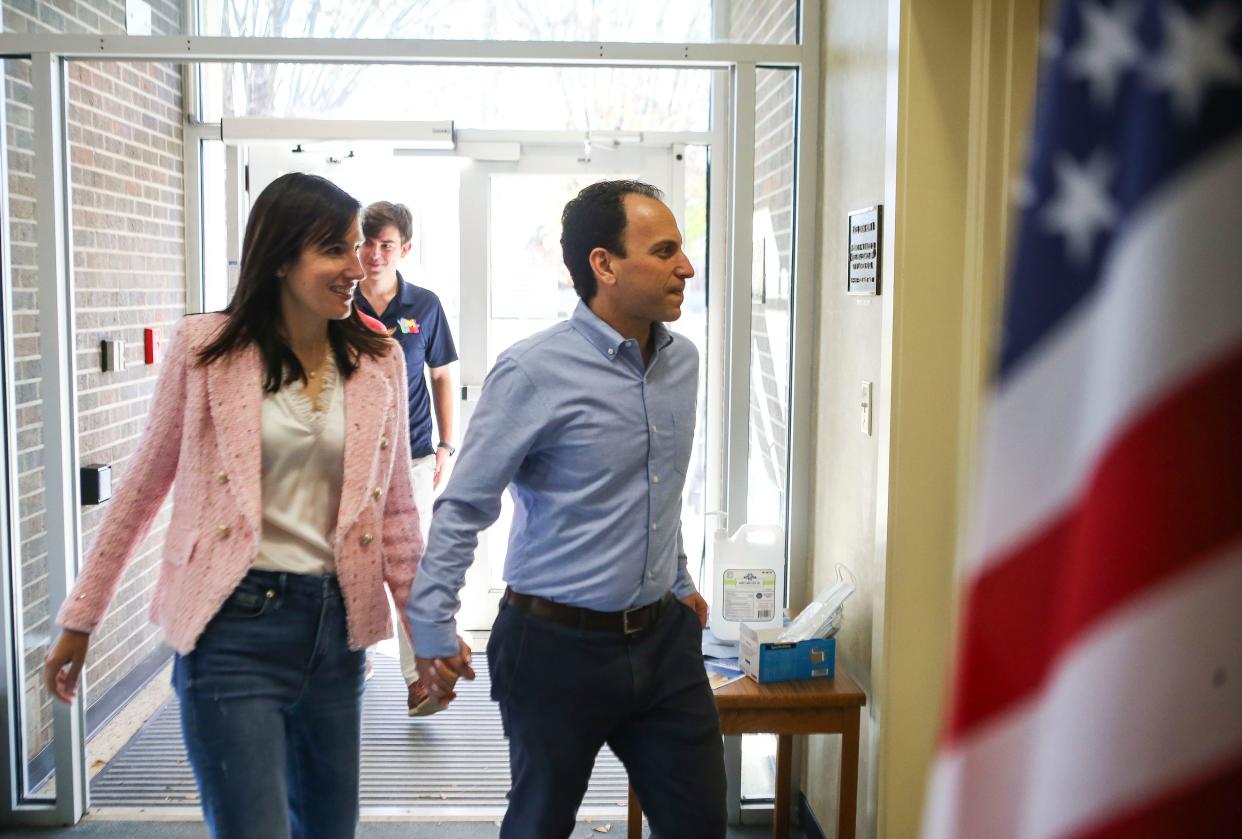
1107,49
1196,54
1081,206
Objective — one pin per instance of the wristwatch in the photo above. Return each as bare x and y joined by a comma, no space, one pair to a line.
443,445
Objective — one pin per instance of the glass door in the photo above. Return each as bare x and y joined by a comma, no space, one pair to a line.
43,773
487,242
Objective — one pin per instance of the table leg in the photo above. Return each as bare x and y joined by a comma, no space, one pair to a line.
634,818
784,770
847,807
733,778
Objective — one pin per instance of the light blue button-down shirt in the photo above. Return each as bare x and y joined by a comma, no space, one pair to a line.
594,446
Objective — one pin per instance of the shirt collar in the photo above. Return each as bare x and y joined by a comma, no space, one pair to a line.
405,291
405,295
606,339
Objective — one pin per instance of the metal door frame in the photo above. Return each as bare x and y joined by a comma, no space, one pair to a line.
50,55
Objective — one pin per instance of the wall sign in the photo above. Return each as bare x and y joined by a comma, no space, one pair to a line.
864,254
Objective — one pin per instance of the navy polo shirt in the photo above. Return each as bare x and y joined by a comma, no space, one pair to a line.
415,318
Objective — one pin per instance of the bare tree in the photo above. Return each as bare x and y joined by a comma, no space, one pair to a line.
316,88
601,98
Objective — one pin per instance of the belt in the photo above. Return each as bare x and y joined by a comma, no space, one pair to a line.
626,622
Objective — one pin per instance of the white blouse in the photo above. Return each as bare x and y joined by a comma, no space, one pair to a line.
303,467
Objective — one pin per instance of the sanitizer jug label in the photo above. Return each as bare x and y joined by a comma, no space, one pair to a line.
749,595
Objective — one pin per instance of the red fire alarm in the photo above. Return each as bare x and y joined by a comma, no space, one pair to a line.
151,345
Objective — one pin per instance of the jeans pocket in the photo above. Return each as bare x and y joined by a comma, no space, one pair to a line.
692,626
249,601
504,651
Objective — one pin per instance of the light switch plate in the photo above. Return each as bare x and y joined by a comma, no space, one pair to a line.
866,408
112,353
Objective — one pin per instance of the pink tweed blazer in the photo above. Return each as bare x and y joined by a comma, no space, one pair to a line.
202,440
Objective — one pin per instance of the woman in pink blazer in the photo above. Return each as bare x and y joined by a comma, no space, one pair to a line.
280,426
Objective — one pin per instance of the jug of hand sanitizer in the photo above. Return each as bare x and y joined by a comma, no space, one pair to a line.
748,580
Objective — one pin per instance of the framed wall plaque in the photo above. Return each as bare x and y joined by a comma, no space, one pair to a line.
863,276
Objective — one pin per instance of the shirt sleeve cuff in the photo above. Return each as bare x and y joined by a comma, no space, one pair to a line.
683,587
434,640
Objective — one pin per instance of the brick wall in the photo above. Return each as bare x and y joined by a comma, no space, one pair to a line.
125,130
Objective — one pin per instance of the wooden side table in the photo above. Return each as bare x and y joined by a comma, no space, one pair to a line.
814,706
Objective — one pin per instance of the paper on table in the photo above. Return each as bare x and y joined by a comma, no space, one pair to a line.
719,675
713,647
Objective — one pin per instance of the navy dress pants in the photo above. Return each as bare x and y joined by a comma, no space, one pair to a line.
564,692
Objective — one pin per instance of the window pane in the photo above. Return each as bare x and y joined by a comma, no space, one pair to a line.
507,20
536,98
26,498
128,228
771,279
758,21
693,325
684,21
219,261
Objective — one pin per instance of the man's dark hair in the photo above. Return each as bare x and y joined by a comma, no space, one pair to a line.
383,213
595,218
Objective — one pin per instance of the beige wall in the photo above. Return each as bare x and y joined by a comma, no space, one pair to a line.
919,115
852,162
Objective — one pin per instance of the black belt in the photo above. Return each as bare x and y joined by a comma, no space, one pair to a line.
626,622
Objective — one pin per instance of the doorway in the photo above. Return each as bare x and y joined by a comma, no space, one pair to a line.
486,242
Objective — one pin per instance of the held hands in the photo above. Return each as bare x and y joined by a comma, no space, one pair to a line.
69,649
439,675
699,605
442,458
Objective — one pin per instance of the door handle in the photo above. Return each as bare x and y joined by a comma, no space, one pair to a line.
470,393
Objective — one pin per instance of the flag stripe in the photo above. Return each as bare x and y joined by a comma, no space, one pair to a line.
1097,693
1210,806
1163,498
1162,312
1145,699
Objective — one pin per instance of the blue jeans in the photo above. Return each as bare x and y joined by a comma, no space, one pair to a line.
271,711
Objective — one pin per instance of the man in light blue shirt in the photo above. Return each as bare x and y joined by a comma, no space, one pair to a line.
590,425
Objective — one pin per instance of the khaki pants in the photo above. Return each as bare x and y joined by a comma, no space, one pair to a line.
422,475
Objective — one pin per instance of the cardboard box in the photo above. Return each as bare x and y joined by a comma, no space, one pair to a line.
765,660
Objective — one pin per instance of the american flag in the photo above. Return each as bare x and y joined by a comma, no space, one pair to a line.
1098,681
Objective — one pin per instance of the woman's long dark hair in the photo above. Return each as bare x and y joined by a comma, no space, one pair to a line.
295,213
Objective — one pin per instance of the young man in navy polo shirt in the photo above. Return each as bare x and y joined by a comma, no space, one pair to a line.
415,318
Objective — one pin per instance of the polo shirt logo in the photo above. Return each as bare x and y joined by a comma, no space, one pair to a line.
408,326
